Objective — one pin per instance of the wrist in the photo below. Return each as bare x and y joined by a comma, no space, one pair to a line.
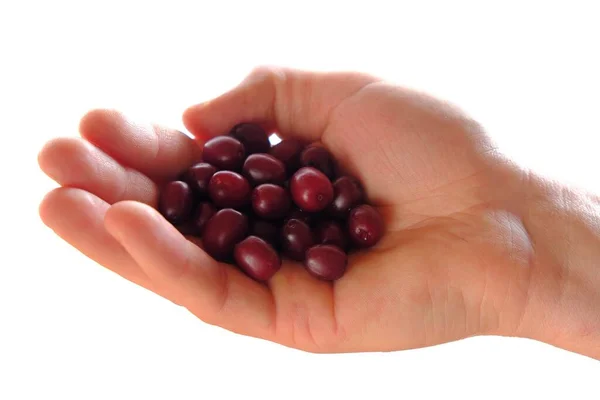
563,300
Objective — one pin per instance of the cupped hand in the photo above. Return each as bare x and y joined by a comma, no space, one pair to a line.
449,266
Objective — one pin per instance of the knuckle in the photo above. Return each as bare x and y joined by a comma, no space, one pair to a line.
268,72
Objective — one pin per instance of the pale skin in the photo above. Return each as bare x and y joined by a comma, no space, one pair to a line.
474,244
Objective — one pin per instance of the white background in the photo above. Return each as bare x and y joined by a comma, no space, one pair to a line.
71,330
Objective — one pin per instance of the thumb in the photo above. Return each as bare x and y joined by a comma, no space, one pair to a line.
292,102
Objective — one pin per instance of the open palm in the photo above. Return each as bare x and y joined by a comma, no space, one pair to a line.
448,266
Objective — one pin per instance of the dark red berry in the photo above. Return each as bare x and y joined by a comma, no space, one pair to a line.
326,262
229,189
347,194
318,157
265,230
223,231
257,258
176,202
296,239
331,232
204,212
293,193
198,176
252,136
288,152
270,201
311,189
304,216
264,168
365,226
224,152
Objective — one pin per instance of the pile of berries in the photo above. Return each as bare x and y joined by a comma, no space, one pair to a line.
252,204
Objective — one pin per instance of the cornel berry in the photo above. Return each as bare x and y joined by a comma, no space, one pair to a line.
257,258
198,176
288,152
305,216
254,205
267,231
365,226
204,212
264,168
347,193
326,262
318,157
223,231
331,232
229,189
311,189
252,136
175,202
270,201
224,152
296,238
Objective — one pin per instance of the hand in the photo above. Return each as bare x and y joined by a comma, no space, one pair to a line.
457,259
